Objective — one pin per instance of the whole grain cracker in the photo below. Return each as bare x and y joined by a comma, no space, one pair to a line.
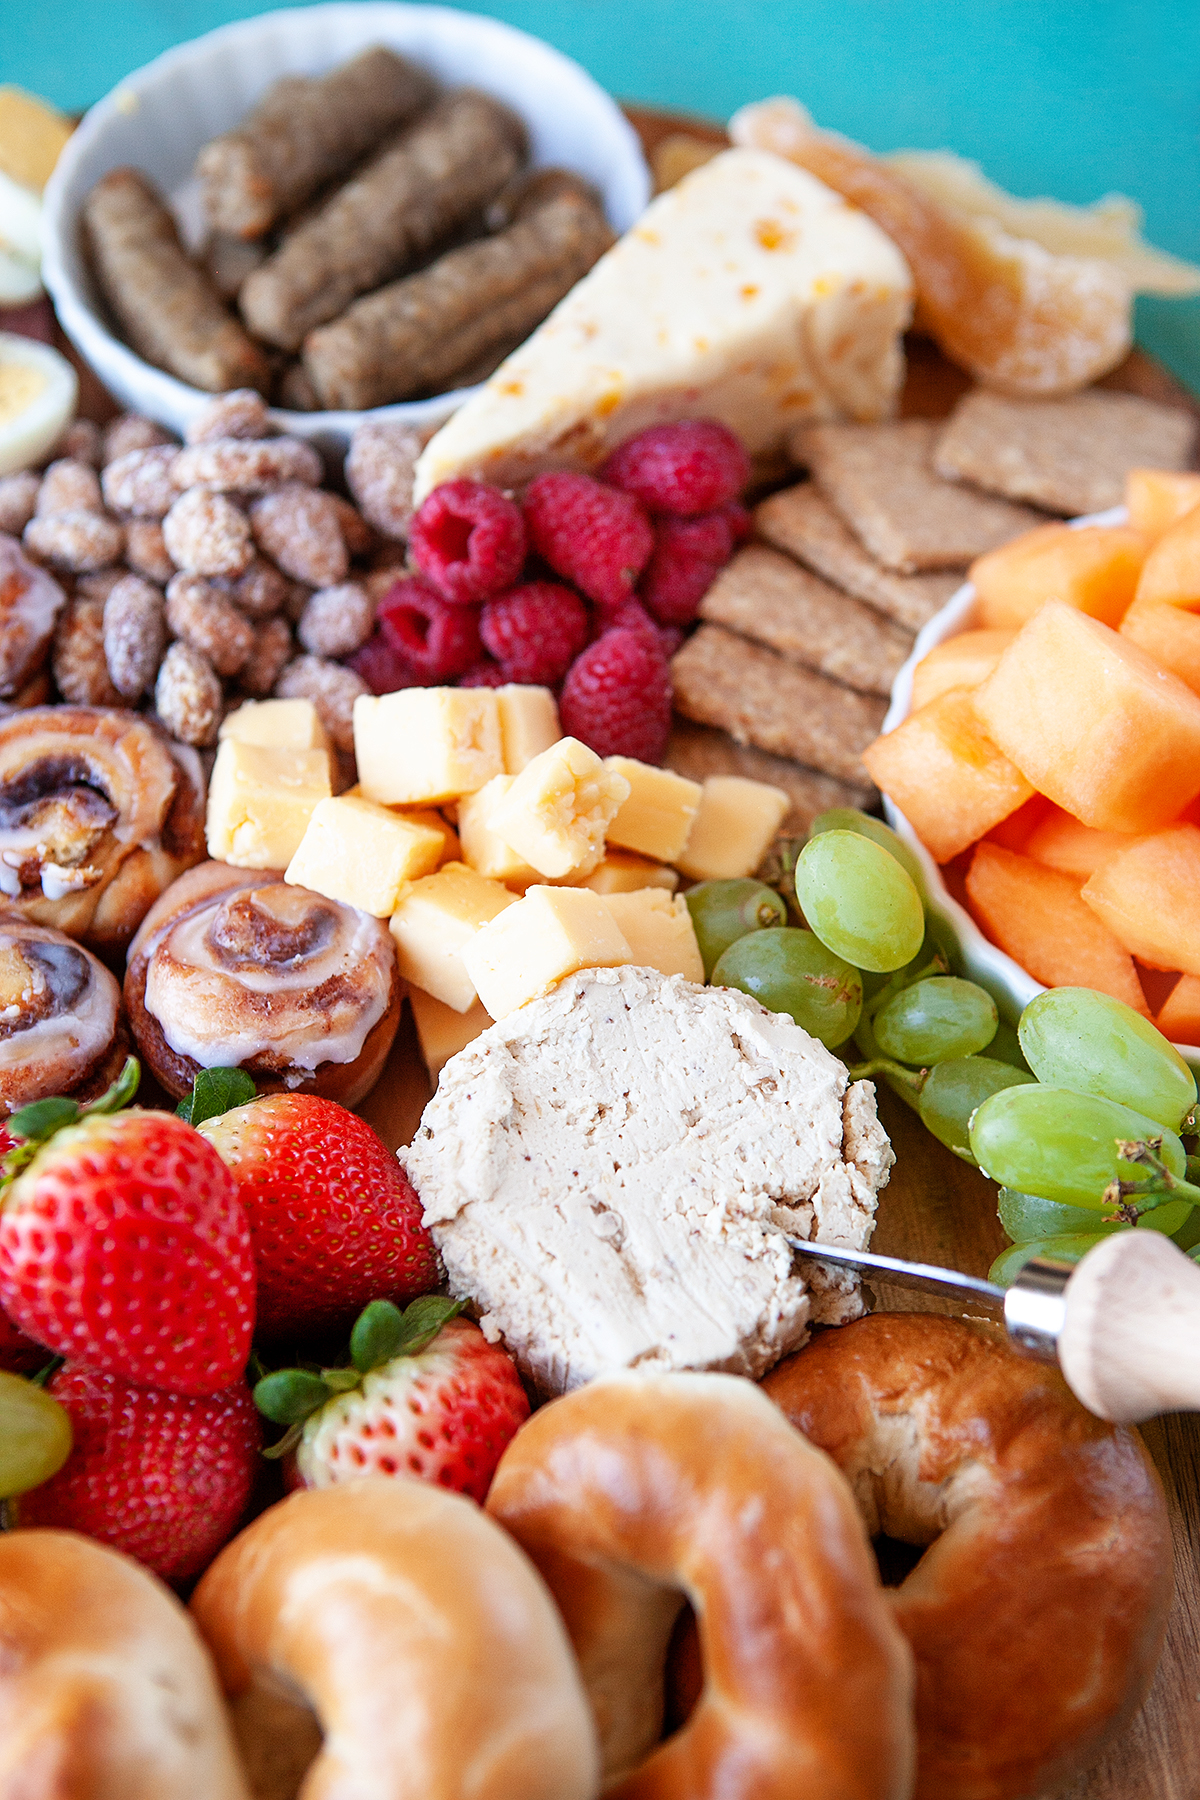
1069,456
698,751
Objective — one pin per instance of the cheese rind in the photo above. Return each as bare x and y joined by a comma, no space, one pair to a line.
276,724
733,829
434,921
260,801
551,933
659,812
363,854
659,931
749,293
421,746
528,723
558,809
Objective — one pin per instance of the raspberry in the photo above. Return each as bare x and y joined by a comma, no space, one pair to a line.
690,467
468,540
382,668
634,617
598,538
741,520
688,554
535,632
438,639
617,697
484,674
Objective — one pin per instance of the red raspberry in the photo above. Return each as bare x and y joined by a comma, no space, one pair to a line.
484,674
741,520
617,697
688,555
535,632
469,540
437,638
381,666
599,539
634,617
689,467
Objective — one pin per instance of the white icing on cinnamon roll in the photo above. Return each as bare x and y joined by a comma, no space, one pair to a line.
58,1016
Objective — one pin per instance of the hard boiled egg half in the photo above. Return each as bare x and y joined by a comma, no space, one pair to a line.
38,392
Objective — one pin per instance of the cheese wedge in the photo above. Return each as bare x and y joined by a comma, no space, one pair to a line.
749,293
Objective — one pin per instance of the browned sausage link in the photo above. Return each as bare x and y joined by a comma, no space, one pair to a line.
303,133
414,334
167,308
418,190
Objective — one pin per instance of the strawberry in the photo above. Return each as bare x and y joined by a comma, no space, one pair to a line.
123,1244
333,1218
163,1477
427,1396
18,1352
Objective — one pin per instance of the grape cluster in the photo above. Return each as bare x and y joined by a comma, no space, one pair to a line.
1077,1114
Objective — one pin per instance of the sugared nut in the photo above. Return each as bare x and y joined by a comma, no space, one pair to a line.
18,498
379,474
146,550
140,482
247,466
359,538
69,485
83,441
100,585
187,695
207,534
332,689
131,432
134,635
77,656
241,413
261,590
336,620
204,617
270,656
298,528
75,541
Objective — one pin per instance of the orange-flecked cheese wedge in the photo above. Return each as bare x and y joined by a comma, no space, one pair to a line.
961,662
1035,915
1157,498
946,776
1149,897
1179,1015
1095,569
1169,634
1171,572
1093,722
1061,842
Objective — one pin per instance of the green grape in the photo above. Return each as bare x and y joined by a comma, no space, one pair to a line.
1187,1235
1075,1038
791,971
848,818
723,911
1070,1249
954,1089
1025,1217
1062,1145
1006,1047
35,1435
935,1020
859,900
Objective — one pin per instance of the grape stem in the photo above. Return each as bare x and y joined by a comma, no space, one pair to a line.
1130,1199
905,1081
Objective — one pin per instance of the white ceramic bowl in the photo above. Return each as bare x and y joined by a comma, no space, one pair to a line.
158,118
1009,984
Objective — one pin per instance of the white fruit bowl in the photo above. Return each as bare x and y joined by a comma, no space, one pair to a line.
1011,986
159,117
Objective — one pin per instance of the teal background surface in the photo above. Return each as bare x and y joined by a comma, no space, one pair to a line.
1075,100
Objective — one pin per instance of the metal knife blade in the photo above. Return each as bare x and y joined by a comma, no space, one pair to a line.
920,1278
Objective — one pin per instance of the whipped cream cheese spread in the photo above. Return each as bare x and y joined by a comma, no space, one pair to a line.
604,1172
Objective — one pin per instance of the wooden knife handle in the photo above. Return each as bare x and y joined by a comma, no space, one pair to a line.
1130,1343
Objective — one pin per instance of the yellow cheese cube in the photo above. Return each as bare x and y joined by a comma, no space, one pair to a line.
356,851
620,872
32,135
733,829
659,931
420,815
442,1032
424,745
528,724
558,809
260,801
536,941
277,724
435,920
482,850
659,812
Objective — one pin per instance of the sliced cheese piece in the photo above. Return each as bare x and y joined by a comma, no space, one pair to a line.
528,723
434,921
535,942
558,809
442,1032
363,854
659,812
260,800
658,928
421,746
733,829
277,724
620,872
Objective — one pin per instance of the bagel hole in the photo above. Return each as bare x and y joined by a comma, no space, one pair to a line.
683,1673
895,1559
278,1736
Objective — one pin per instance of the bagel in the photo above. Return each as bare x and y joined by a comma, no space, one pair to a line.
395,1619
106,1690
1037,1613
639,1491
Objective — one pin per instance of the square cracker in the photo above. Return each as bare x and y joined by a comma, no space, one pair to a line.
882,481
801,521
1070,456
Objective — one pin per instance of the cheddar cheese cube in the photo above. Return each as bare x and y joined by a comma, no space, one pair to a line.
658,928
659,812
421,746
434,921
442,1032
558,809
357,851
260,801
734,827
528,724
620,872
276,724
537,941
482,849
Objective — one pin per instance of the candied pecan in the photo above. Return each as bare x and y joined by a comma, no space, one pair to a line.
298,528
270,656
360,538
261,590
69,485
134,635
18,498
336,620
76,541
379,473
204,617
81,440
297,599
100,585
207,534
241,413
131,432
146,550
332,690
140,482
188,695
77,656
382,581
245,466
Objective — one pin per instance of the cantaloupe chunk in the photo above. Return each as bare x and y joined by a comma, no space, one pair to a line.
1171,572
1036,916
1014,832
1149,897
946,776
961,662
1158,498
1179,1016
1094,722
1168,634
1095,569
1061,842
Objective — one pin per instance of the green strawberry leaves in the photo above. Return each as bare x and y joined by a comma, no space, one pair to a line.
38,1122
216,1091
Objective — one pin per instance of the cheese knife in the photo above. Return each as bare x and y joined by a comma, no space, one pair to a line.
1123,1323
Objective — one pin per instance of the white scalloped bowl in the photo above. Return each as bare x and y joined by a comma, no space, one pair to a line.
1011,986
158,118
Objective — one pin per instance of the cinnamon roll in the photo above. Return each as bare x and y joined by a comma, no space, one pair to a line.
234,968
99,812
60,1023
